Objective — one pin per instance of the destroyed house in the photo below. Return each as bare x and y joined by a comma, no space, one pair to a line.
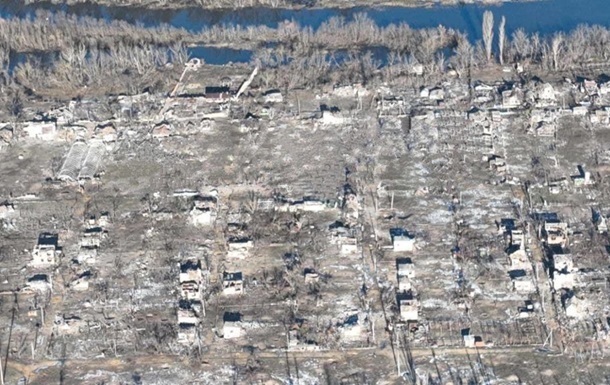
339,231
589,87
44,130
204,201
232,283
521,281
583,178
105,131
232,325
555,232
554,225
218,93
99,221
350,203
401,240
391,105
82,282
203,212
563,281
557,185
577,307
273,96
310,204
190,291
512,98
46,250
92,237
239,247
190,271
472,341
187,317
405,268
86,255
561,274
351,328
436,94
404,284
405,272
478,116
497,163
408,306
68,324
349,246
517,257
187,333
39,282
562,259
517,237
48,240
186,313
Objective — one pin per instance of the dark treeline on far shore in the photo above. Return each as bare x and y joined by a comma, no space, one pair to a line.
129,58
232,4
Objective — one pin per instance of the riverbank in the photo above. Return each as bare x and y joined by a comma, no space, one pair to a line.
68,53
119,57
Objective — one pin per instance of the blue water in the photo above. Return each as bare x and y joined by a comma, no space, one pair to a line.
224,55
543,16
220,55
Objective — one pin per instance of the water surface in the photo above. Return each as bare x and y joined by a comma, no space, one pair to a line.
539,16
545,17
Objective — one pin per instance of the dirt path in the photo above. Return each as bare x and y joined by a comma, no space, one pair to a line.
33,371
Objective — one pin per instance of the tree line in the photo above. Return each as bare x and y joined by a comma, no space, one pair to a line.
436,50
89,51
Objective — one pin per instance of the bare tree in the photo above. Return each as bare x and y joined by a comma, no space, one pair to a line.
520,46
556,48
463,56
488,33
501,39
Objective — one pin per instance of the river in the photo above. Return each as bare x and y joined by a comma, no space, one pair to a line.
541,16
545,17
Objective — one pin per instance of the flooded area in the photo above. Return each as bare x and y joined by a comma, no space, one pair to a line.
220,55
